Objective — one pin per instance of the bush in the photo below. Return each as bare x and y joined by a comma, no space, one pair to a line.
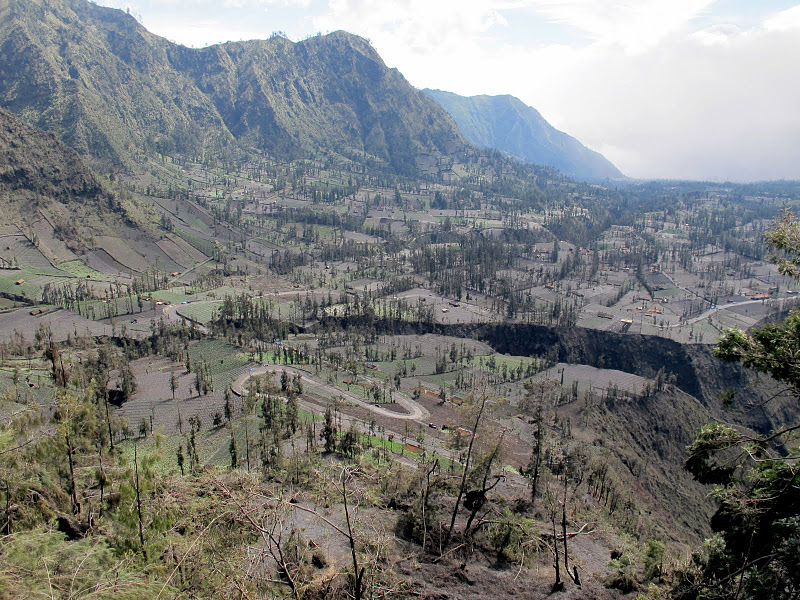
623,578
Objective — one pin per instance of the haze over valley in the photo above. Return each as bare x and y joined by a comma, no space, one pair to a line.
280,320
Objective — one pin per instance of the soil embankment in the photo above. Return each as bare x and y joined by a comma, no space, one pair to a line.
692,368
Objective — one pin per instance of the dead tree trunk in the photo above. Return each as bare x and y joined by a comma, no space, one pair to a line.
425,497
108,420
564,520
464,475
478,498
138,497
358,574
558,586
536,458
73,489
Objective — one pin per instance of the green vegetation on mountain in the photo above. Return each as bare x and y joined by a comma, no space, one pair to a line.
292,345
45,181
37,166
98,80
506,124
48,183
114,91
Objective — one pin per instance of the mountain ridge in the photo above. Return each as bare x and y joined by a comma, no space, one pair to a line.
116,92
507,124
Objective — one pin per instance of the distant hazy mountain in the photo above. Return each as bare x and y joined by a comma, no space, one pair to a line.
505,123
114,91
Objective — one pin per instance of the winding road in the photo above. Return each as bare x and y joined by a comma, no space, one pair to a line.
711,311
414,411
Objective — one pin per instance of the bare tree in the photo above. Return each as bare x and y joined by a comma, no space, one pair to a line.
267,516
476,499
551,501
358,573
484,398
138,497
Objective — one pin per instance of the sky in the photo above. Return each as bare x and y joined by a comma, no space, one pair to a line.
666,89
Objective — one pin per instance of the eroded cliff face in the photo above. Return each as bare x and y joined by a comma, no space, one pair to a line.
642,436
692,368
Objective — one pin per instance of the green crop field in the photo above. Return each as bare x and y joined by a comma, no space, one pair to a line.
225,362
29,288
19,250
205,246
200,312
78,268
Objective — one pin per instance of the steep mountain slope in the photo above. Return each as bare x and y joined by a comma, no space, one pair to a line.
98,80
505,123
331,91
114,91
35,167
55,213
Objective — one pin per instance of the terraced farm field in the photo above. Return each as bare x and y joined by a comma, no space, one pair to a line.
204,246
18,249
121,252
154,395
175,253
593,378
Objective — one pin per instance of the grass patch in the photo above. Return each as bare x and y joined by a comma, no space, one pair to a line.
207,247
79,269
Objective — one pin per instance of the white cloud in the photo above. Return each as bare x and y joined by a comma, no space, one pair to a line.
717,34
692,109
261,3
634,25
416,25
640,83
656,97
203,33
199,7
784,21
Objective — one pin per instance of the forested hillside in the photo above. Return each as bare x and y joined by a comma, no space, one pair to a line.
271,328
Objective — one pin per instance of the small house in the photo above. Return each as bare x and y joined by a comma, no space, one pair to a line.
463,432
413,448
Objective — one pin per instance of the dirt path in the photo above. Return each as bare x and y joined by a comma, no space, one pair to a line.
415,412
171,314
189,270
711,311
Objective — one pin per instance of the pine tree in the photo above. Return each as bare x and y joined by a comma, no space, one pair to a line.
232,450
757,524
329,431
228,406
